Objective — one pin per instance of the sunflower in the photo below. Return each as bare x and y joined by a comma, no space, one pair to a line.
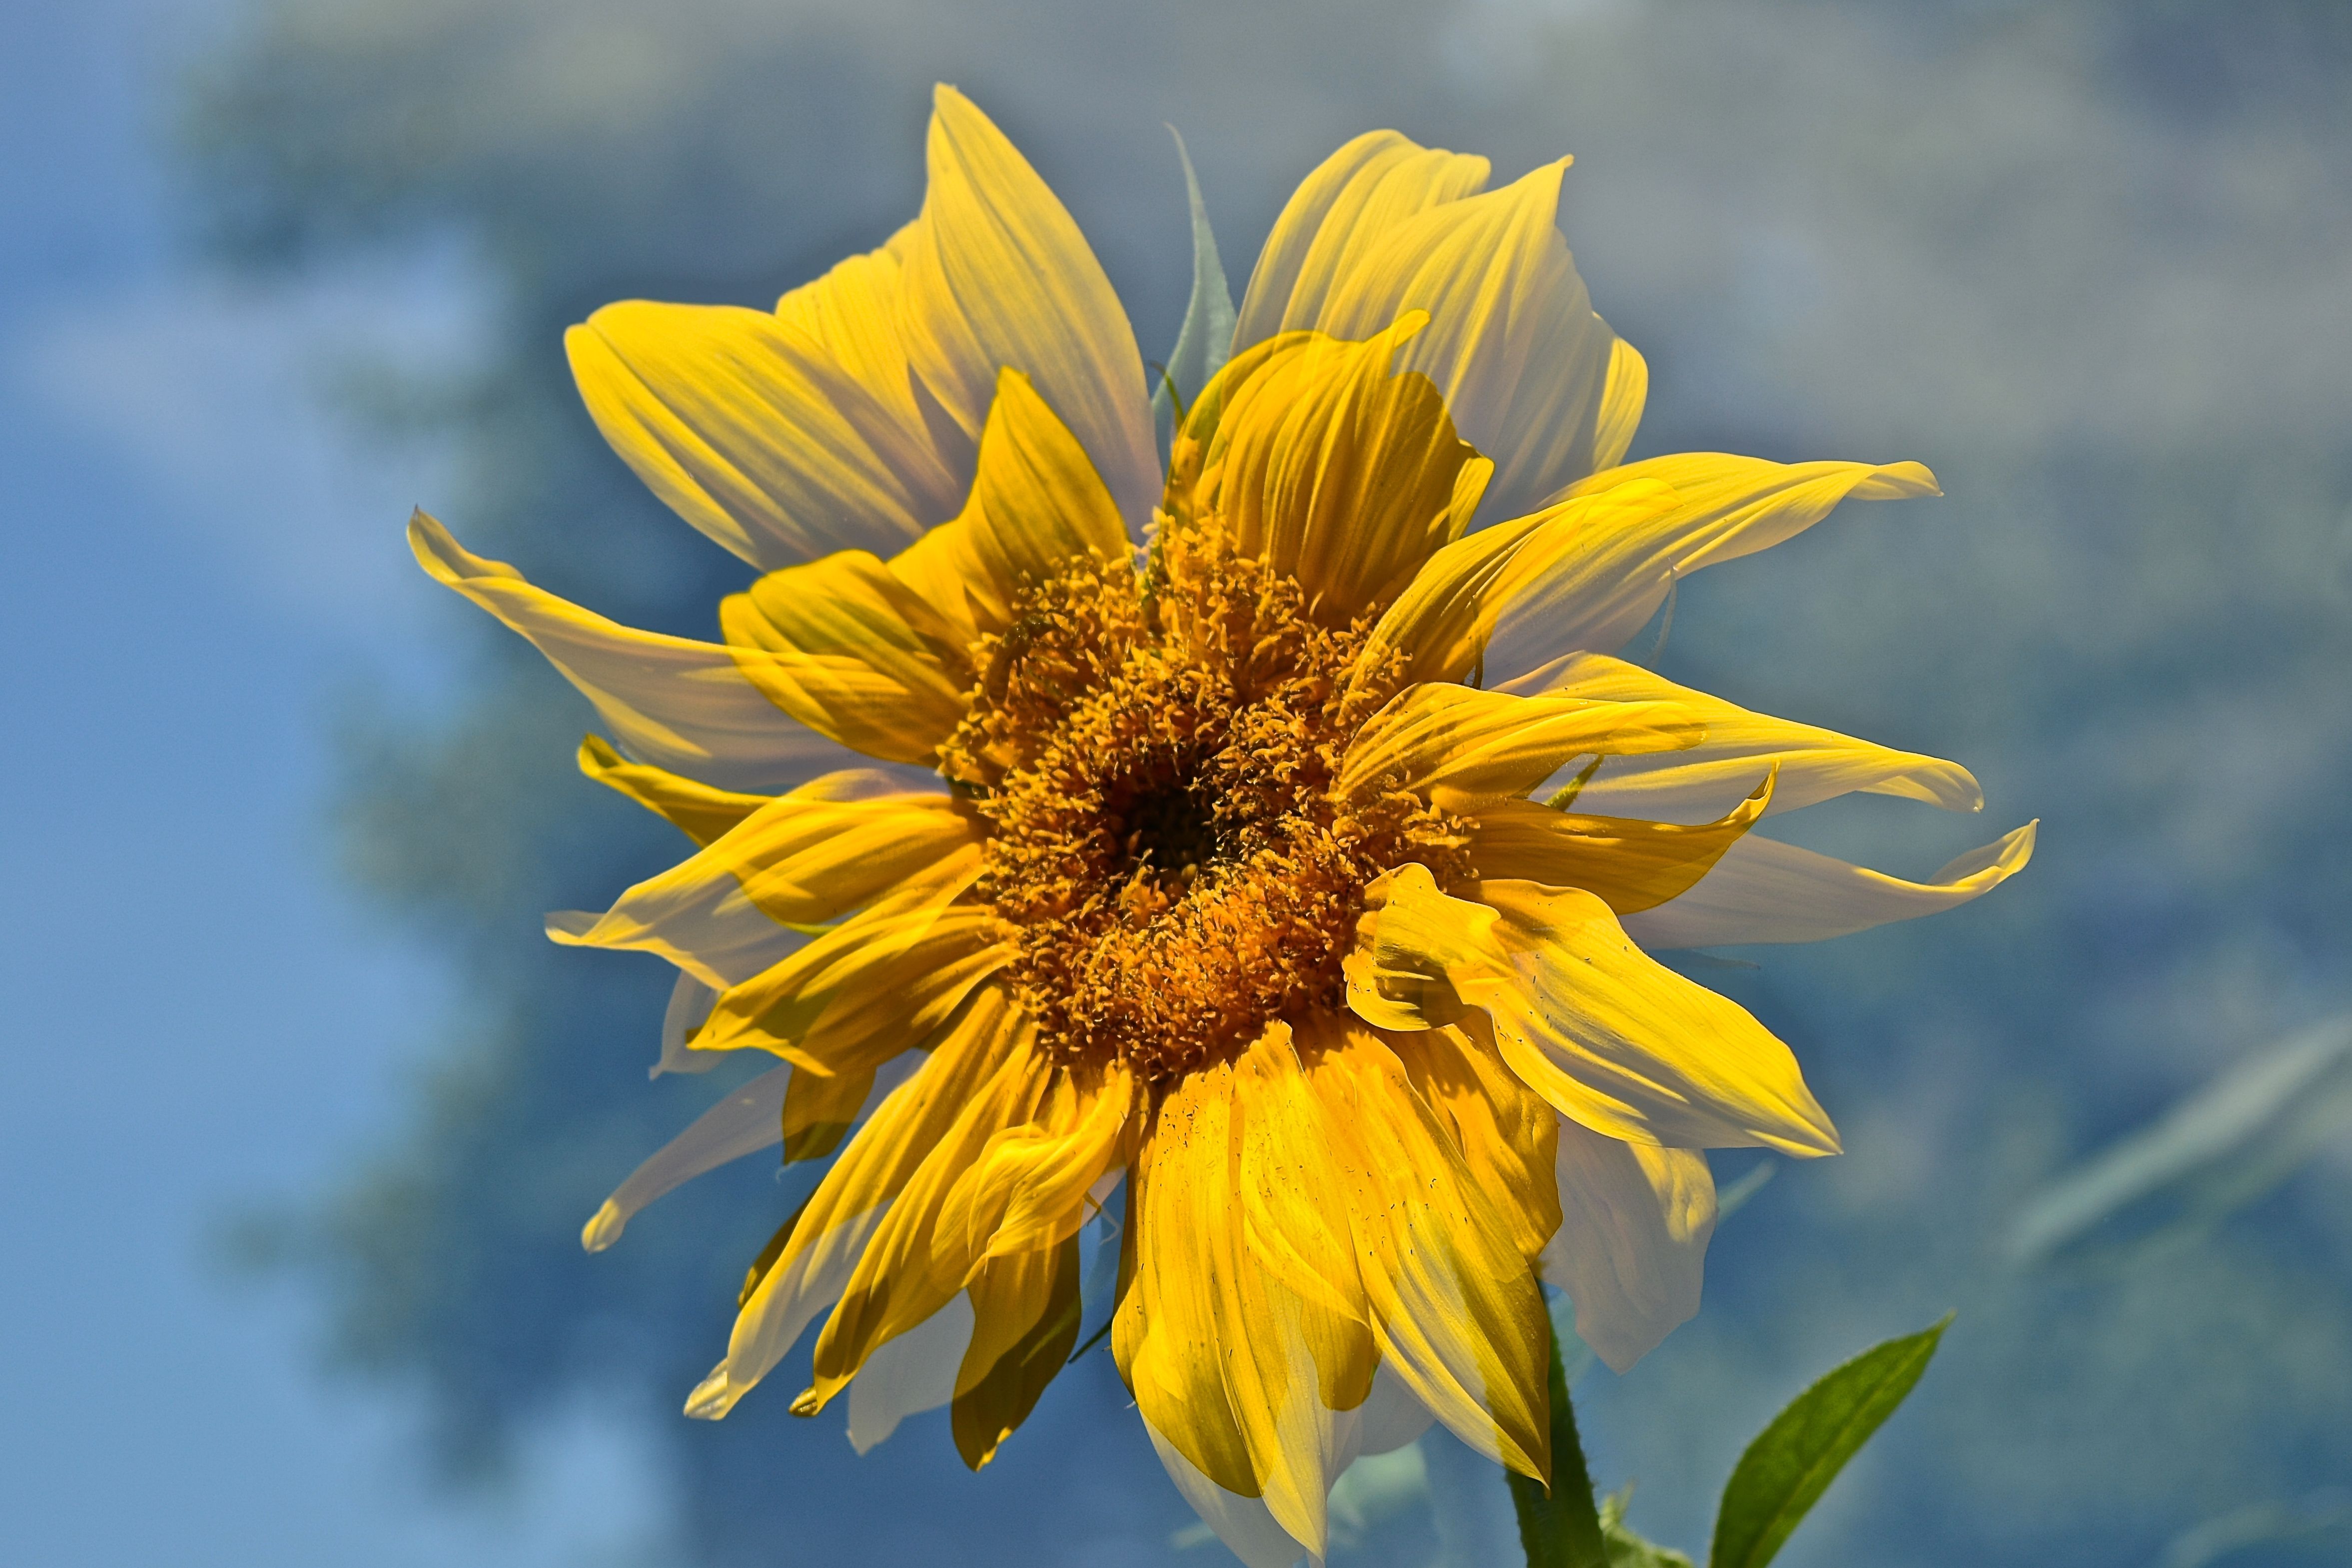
1294,873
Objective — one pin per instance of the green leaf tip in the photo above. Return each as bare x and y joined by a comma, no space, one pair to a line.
1792,1461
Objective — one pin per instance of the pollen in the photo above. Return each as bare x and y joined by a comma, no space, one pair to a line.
1156,756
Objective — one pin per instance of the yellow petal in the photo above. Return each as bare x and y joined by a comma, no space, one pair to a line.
1342,210
1631,1247
1601,594
996,274
1704,782
700,812
855,318
1503,1130
1249,1330
1763,890
1441,624
1609,1037
866,989
681,705
1460,747
1457,1312
851,316
896,1285
1165,1331
1028,1187
754,434
813,1262
1629,863
1036,506
1513,343
802,858
1334,469
1026,1313
849,649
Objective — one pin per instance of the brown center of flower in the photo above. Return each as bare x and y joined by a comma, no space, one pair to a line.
1156,758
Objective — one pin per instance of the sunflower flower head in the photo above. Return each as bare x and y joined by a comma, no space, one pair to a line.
1266,834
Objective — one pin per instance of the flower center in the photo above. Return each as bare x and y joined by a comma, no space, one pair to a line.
1156,757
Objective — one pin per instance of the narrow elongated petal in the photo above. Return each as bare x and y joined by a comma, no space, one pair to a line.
816,1259
1028,1187
1036,506
1629,863
1025,1312
852,997
1337,215
897,1283
745,1122
802,858
1704,782
1512,342
1460,747
1596,597
854,319
1441,624
850,650
1458,1315
1503,1130
755,434
701,812
681,705
1250,1331
1766,892
1333,470
719,937
996,274
1610,1038
1631,1245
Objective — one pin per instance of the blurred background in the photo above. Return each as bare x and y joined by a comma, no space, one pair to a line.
303,1114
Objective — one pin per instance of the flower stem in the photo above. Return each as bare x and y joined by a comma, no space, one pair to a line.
1560,1528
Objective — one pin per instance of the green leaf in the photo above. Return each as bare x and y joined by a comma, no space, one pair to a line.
1792,1462
1558,1527
1206,339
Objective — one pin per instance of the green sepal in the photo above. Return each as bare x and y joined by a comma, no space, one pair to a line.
1206,339
1792,1461
1627,1549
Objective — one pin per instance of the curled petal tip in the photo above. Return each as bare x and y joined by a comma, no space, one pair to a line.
604,1228
713,1397
1899,482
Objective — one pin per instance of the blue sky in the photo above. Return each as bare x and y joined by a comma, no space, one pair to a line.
200,568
